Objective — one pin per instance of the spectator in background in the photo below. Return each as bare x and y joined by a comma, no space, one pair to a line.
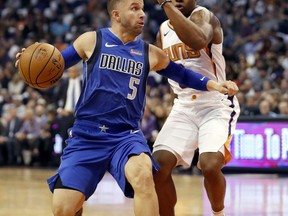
40,113
48,137
265,109
273,99
4,58
267,85
15,101
247,87
2,145
59,28
250,107
27,139
283,108
275,70
13,126
16,85
284,86
67,95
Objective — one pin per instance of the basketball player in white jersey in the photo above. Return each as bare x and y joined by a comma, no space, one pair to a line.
193,37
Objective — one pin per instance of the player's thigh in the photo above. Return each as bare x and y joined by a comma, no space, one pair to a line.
138,167
179,135
213,135
132,158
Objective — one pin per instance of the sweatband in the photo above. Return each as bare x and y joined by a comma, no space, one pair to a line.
71,57
185,76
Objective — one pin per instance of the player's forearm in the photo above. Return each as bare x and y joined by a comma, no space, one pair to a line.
186,77
188,32
71,57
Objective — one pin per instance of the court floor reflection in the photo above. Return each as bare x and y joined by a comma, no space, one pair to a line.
24,192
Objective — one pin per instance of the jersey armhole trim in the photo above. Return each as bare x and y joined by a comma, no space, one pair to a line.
97,49
95,55
146,57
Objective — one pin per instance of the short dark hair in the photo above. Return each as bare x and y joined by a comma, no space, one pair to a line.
111,5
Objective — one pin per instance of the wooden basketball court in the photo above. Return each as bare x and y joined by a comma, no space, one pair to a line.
24,192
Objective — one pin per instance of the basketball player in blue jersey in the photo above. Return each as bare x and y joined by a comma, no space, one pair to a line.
199,119
106,135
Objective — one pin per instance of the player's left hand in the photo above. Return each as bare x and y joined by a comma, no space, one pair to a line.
18,55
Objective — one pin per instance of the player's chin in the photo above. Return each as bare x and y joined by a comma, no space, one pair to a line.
140,26
138,30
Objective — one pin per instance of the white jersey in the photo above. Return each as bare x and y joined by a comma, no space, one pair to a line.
198,119
208,61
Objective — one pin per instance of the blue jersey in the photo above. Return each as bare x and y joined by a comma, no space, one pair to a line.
114,84
113,98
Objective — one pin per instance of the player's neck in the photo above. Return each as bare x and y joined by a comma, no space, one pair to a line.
124,36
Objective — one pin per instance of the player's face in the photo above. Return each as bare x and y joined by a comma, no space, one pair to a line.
132,15
185,6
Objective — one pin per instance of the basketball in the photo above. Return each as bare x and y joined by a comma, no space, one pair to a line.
41,65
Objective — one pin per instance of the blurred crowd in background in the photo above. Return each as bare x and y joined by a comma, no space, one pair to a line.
33,122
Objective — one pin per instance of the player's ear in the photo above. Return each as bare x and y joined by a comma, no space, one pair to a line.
115,14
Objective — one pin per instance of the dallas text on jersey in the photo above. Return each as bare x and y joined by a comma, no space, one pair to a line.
120,64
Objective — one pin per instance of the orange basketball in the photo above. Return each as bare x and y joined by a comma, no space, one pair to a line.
41,65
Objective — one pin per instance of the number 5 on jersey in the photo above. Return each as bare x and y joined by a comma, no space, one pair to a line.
132,85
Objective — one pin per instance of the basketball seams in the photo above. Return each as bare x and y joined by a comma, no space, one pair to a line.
55,77
41,62
39,83
29,67
44,67
22,74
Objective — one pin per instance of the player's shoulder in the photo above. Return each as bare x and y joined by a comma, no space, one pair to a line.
164,25
205,12
88,36
85,44
201,9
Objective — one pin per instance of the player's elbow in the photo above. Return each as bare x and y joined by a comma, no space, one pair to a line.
199,44
196,42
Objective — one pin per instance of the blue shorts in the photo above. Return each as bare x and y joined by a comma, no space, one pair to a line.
90,153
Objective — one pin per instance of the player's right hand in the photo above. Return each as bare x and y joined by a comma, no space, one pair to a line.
18,55
226,87
231,87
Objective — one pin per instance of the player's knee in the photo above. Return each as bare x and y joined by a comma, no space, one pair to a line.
162,175
208,170
79,213
166,160
142,180
211,166
143,183
63,209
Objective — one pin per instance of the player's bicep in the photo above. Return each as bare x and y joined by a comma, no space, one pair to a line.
157,58
85,44
203,19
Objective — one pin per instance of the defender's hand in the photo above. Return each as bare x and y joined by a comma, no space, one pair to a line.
226,87
231,86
